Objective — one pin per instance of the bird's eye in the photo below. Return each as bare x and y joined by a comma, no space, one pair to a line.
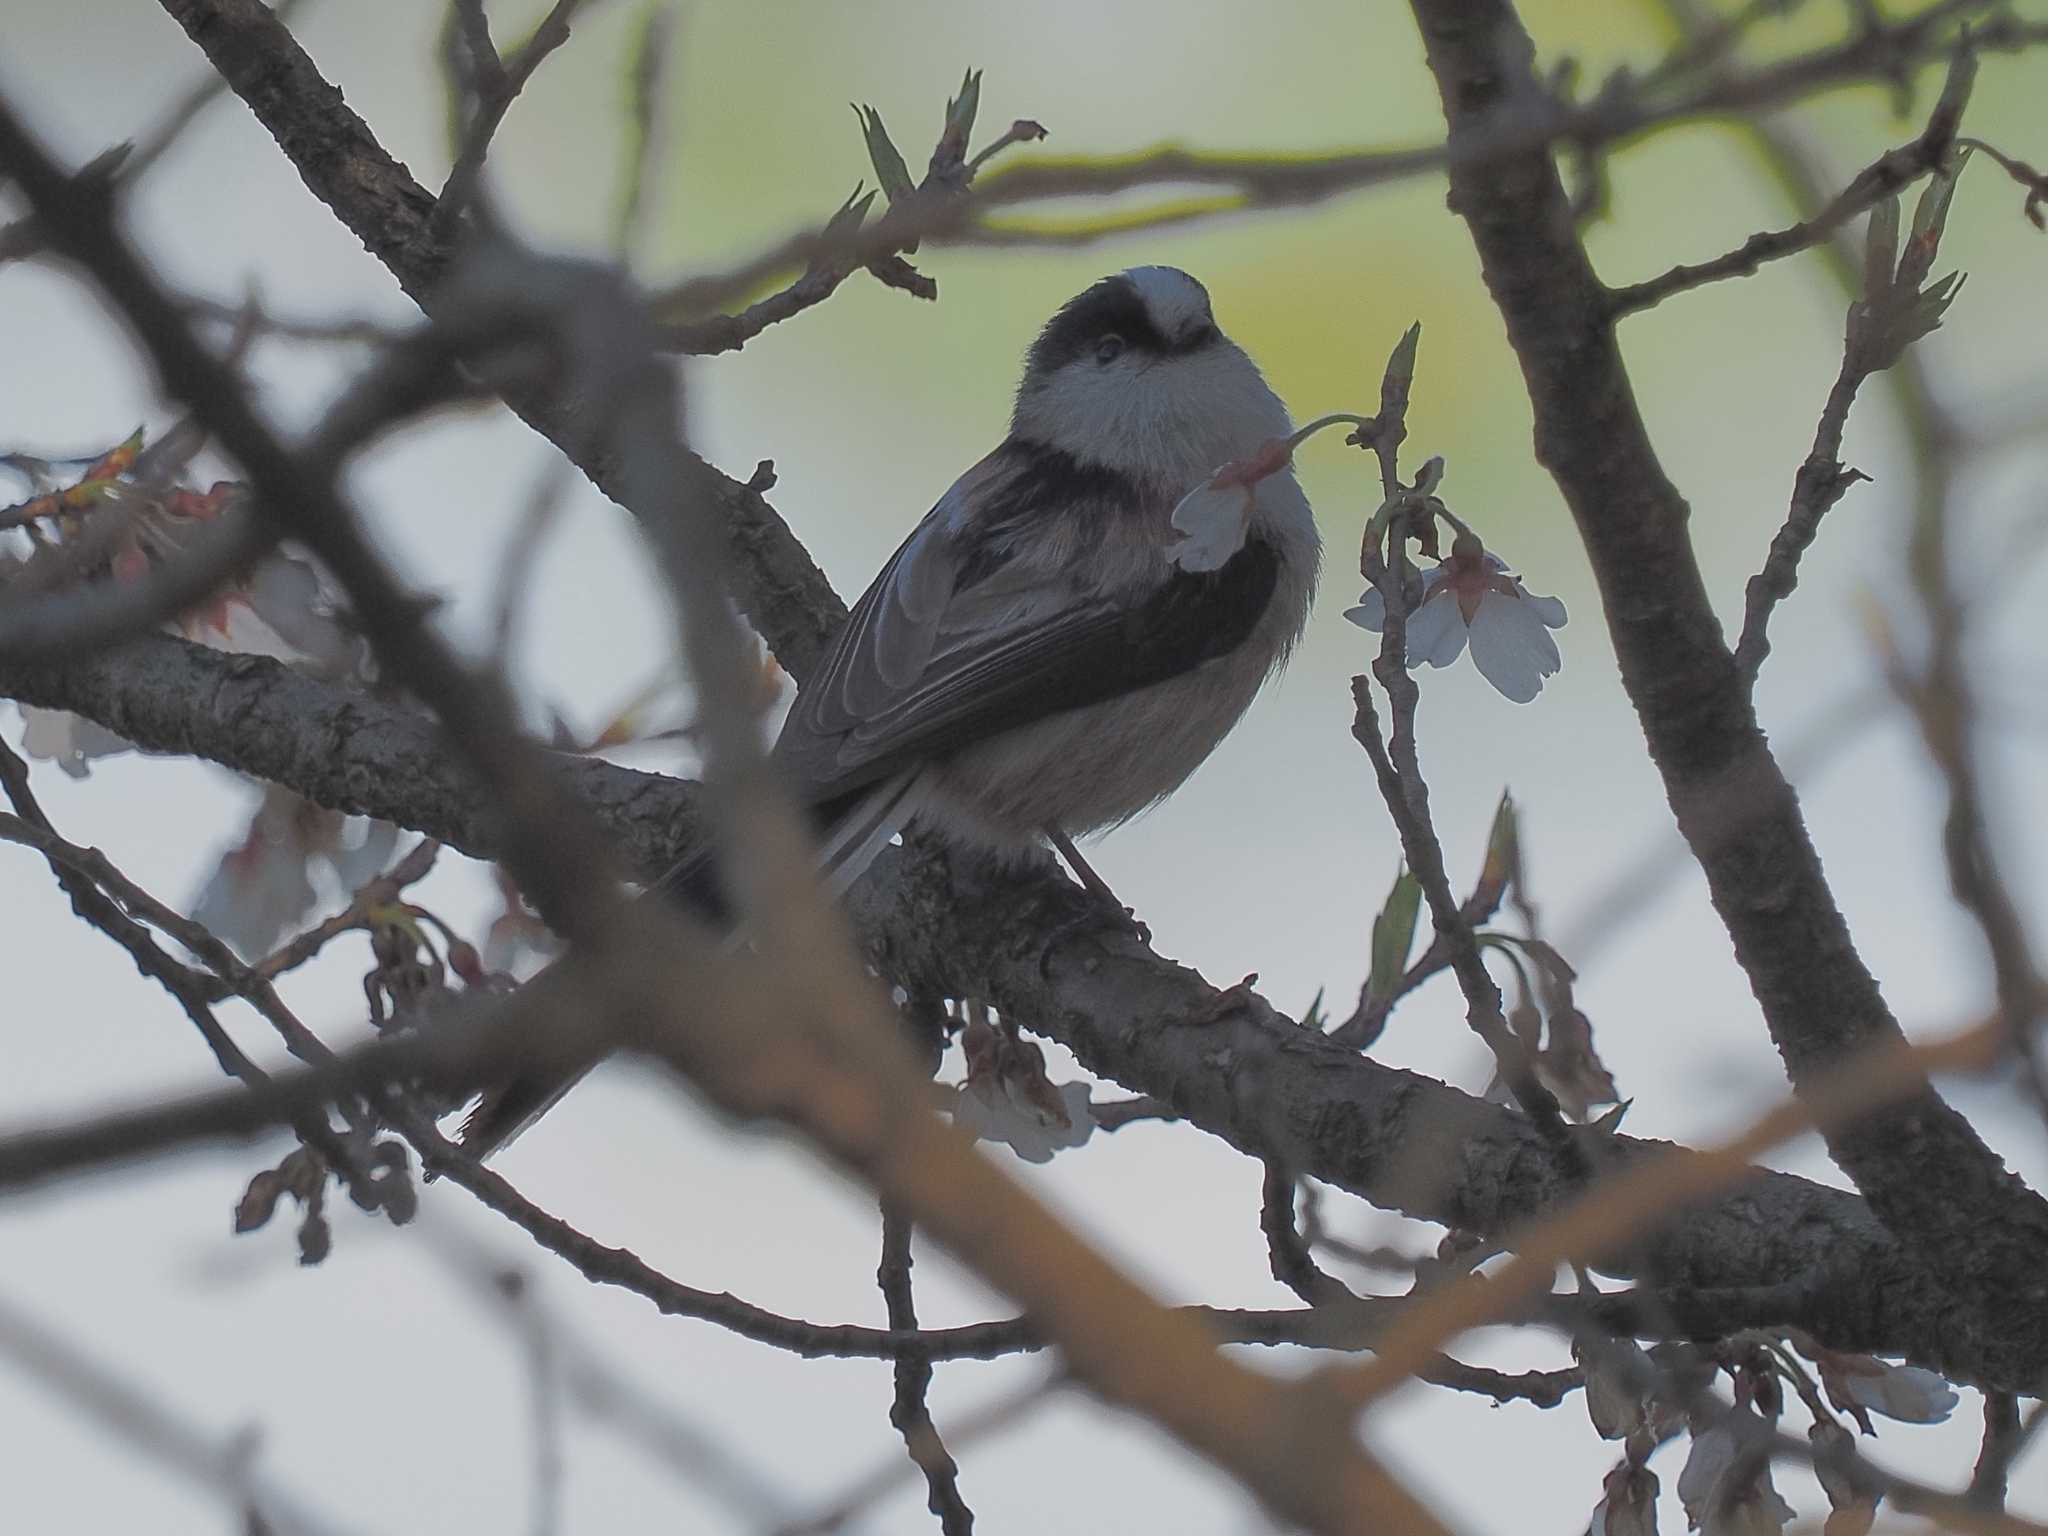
1109,348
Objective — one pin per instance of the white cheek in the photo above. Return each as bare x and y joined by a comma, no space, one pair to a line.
1176,420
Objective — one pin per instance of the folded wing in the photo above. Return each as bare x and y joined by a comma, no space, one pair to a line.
992,615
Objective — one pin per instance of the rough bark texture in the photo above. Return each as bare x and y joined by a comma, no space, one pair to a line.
1780,1250
1926,1174
340,748
1797,1252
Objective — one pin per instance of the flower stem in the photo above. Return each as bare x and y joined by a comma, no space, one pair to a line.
1334,419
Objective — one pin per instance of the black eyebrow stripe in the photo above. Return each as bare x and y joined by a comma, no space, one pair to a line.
1111,307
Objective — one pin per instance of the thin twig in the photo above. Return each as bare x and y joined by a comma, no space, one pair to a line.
840,1077
648,84
1617,1210
2002,1444
542,508
948,179
908,1412
694,1454
1118,1113
128,162
1004,1413
1623,112
1884,177
1398,769
496,88
222,1467
544,1386
101,611
1369,1019
1821,482
1287,1254
104,898
343,330
384,889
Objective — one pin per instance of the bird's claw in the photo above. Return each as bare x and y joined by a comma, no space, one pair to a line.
1095,918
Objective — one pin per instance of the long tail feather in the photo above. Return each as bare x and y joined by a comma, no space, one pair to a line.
856,832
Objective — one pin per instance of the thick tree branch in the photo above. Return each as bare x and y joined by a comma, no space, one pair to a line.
781,591
349,751
788,1030
1793,1251
379,201
1923,1168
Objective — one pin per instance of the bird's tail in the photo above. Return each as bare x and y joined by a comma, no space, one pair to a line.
854,829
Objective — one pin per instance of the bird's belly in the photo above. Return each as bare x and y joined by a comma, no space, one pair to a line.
1089,768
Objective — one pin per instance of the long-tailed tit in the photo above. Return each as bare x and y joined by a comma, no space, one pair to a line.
1038,658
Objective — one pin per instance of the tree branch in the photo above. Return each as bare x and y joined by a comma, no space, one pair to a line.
1921,1165
908,1412
781,590
1890,173
1808,1255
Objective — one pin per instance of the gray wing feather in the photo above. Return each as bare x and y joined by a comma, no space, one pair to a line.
918,651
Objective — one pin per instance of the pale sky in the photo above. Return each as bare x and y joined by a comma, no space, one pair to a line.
388,1395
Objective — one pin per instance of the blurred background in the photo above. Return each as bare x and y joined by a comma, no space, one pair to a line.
385,1388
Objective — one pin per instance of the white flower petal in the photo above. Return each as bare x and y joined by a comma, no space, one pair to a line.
1213,519
1371,612
1706,1463
70,741
1511,647
992,1111
1436,631
1909,1393
1548,609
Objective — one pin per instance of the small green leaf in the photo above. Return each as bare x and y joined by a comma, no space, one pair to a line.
1393,934
961,110
1930,214
851,215
890,170
1503,855
1541,953
1924,316
1400,375
1881,253
1316,1019
1930,218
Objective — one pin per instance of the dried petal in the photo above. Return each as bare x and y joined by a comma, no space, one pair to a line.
1618,1373
1726,1483
1628,1503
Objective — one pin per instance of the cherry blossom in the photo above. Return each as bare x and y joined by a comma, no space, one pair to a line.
1008,1098
1212,518
1725,1484
1861,1385
1472,598
1031,1128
